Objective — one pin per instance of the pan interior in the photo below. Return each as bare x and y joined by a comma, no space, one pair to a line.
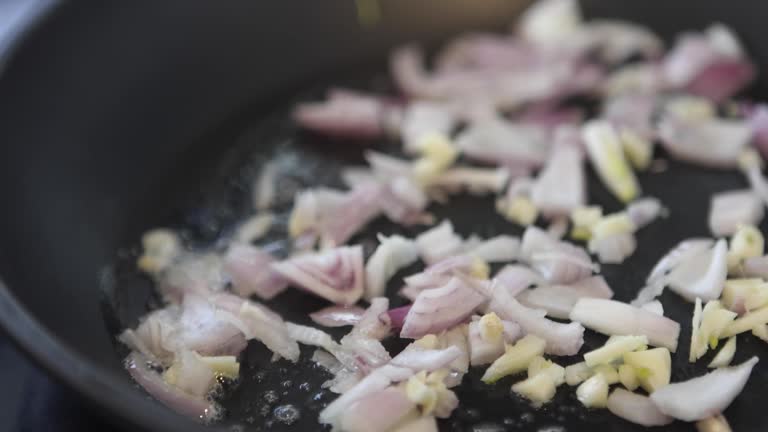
207,209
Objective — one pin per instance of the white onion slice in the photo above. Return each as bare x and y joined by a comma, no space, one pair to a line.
496,249
558,300
171,396
437,309
615,318
613,249
684,250
256,321
419,359
704,396
335,274
377,412
504,143
728,210
516,278
715,143
553,196
422,118
337,316
701,275
251,273
644,211
636,408
439,242
562,339
393,253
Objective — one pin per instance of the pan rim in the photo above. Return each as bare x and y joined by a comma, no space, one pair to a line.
98,386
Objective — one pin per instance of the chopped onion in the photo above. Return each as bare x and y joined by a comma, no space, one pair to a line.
561,339
654,306
256,321
251,272
680,253
558,300
504,143
171,396
615,318
378,411
695,399
337,316
393,253
440,308
438,243
336,274
549,193
644,211
701,275
346,114
497,249
729,210
421,119
714,143
636,408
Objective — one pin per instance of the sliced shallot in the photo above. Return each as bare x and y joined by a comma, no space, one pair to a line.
251,272
440,308
561,339
728,210
337,316
393,253
636,408
616,318
704,396
336,274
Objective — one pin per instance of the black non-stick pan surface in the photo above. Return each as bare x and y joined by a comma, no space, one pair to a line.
106,106
208,214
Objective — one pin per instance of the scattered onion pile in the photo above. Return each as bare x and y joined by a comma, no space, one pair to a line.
509,93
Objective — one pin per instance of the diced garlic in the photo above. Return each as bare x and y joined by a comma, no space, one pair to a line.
607,157
615,349
593,393
653,367
520,210
725,355
161,248
747,242
583,219
516,358
627,377
749,294
608,372
747,322
639,150
491,327
577,373
541,365
714,321
539,388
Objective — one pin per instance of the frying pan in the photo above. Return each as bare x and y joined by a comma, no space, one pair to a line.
120,116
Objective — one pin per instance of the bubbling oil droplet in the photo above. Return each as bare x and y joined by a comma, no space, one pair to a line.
270,396
286,414
527,418
305,387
